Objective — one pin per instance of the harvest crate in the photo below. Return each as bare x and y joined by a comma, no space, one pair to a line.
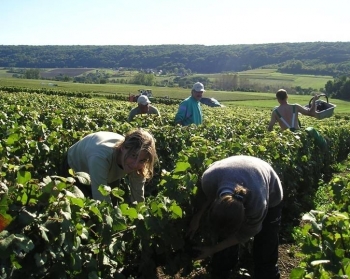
323,109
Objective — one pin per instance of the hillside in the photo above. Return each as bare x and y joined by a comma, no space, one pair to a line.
318,58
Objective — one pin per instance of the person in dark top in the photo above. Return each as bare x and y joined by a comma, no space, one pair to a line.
244,197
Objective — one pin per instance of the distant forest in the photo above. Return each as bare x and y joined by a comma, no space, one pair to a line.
317,58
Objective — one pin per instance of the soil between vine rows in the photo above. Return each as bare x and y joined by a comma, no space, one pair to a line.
287,262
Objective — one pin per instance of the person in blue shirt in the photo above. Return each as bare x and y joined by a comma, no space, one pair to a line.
190,111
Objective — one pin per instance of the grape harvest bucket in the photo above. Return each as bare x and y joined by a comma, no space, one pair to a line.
323,109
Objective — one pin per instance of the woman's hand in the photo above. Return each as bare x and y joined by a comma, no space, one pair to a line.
194,225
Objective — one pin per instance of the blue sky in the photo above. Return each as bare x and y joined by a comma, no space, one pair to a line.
156,22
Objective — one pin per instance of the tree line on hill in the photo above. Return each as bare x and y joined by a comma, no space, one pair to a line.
317,58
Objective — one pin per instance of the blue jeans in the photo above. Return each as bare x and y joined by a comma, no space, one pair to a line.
265,250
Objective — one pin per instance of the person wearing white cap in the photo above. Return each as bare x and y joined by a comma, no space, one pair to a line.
143,107
190,111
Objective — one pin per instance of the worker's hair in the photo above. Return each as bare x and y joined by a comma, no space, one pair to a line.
136,141
227,212
281,94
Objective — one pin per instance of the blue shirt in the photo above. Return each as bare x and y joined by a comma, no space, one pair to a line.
189,112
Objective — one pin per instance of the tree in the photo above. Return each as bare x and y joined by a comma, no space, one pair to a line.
144,79
66,78
339,88
344,92
235,82
331,58
149,79
227,82
32,74
329,87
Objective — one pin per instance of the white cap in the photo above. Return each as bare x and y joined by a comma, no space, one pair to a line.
198,87
143,100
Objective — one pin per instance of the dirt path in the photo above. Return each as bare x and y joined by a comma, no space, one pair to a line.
286,263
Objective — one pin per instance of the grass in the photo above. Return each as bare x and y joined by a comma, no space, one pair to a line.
273,78
342,107
249,99
112,88
258,76
5,74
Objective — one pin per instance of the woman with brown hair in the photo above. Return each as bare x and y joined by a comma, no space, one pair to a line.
108,157
243,195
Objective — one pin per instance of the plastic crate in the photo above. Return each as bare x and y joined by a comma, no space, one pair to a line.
323,109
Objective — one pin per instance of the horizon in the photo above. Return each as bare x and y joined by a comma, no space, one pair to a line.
181,22
186,44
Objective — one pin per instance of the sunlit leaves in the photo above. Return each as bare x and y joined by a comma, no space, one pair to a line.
128,211
83,177
326,240
23,177
74,231
119,193
181,167
176,210
104,190
12,139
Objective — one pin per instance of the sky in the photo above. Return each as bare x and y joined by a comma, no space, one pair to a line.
180,22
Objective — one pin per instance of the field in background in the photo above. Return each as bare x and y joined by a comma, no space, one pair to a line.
273,78
4,74
258,76
250,99
71,72
75,72
342,107
126,89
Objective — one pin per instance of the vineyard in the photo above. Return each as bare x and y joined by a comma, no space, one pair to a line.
48,229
